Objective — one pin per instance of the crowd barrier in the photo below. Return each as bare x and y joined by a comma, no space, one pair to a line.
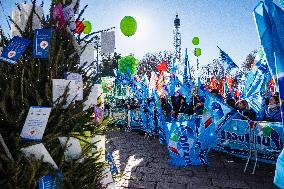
237,138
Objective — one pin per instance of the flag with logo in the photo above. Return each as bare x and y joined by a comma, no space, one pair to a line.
41,43
228,63
160,118
183,143
14,50
256,85
221,115
269,20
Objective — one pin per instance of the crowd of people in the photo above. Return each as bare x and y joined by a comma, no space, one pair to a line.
178,104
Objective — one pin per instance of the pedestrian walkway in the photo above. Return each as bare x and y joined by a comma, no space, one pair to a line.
143,164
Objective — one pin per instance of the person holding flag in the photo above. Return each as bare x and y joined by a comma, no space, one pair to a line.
269,20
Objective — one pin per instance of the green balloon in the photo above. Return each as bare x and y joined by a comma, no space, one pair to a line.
267,131
195,41
128,26
87,27
197,52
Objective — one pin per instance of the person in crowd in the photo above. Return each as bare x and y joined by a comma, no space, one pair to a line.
175,100
229,95
231,102
182,105
199,105
196,105
167,108
191,106
266,99
273,112
216,93
245,111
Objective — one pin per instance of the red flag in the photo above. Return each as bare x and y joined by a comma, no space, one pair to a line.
214,84
222,88
230,82
271,86
162,66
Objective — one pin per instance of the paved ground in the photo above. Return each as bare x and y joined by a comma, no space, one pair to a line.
143,164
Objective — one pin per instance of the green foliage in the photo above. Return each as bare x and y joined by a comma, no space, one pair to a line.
128,26
128,65
247,64
29,83
108,64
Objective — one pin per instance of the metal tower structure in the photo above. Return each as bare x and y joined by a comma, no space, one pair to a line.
177,39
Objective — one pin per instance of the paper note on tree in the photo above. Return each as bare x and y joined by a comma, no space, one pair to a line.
79,83
58,88
39,152
35,123
72,147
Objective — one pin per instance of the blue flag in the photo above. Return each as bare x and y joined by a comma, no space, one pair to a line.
265,33
183,143
109,158
221,114
270,23
41,43
255,85
279,172
14,50
186,72
229,64
160,118
139,89
50,182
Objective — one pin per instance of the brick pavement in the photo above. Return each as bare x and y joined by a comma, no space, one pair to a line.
143,164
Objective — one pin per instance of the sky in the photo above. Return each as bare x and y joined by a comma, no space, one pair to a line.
228,24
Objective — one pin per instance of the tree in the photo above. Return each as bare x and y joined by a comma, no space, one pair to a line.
246,66
150,61
108,64
215,69
248,63
29,83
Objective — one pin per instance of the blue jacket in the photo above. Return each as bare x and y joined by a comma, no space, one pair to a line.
273,114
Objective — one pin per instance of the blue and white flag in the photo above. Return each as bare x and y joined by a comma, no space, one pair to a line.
139,89
229,64
172,85
186,72
50,182
14,50
109,158
183,143
269,19
255,85
279,171
160,118
41,43
221,114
